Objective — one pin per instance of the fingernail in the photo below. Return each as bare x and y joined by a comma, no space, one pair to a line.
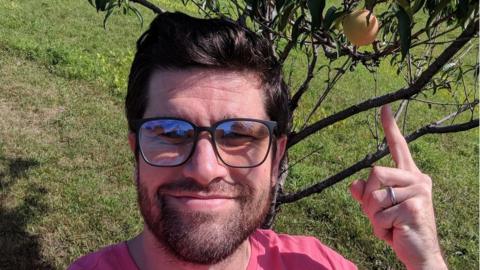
387,107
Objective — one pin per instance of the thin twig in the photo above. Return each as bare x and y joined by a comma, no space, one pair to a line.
405,116
375,112
436,103
328,88
304,87
290,166
400,109
432,43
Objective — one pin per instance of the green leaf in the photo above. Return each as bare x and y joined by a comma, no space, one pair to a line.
101,5
296,29
316,9
279,4
107,15
369,4
417,5
405,4
138,14
302,41
462,9
337,22
285,16
438,8
330,16
430,5
210,4
473,8
404,30
337,46
459,74
393,60
252,3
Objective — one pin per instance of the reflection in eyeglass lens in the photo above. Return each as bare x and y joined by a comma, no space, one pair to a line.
168,131
242,143
167,141
240,133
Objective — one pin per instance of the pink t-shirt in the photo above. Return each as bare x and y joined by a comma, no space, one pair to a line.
269,251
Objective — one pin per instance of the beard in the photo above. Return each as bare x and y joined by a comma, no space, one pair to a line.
200,237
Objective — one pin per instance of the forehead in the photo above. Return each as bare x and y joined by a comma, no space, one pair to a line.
205,95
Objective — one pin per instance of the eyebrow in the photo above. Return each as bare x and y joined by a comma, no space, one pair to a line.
225,116
229,116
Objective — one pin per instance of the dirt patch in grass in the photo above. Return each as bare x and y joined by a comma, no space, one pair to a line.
32,124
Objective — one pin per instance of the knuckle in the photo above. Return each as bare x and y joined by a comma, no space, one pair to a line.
376,197
377,171
374,170
376,220
424,190
426,178
414,209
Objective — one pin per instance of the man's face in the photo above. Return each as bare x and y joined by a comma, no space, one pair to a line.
203,210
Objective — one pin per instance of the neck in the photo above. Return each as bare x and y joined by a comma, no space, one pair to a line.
149,254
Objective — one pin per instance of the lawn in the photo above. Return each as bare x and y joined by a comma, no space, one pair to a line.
66,183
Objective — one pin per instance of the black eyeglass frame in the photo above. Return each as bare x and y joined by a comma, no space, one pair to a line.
271,126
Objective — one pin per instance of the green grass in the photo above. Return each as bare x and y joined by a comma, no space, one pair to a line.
65,168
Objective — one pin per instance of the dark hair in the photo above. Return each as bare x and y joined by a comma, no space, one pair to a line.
177,41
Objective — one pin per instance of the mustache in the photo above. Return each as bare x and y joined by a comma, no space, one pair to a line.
217,186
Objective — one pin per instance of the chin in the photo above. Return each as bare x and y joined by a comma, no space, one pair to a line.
203,237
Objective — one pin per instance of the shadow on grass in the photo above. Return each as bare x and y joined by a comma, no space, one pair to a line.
19,248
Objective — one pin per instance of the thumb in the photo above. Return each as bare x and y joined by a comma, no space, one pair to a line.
356,189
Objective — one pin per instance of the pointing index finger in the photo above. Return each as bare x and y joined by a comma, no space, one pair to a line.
396,142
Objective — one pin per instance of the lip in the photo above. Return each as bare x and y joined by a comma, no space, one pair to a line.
200,202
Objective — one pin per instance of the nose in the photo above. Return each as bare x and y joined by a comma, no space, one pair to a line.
204,166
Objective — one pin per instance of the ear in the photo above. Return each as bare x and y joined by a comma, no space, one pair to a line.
132,141
279,154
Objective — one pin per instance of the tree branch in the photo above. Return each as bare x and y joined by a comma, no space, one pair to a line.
291,42
403,93
149,5
304,87
382,151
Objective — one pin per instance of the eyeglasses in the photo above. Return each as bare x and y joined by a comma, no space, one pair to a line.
238,142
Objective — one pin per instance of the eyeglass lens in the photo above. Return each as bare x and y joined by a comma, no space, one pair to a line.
170,142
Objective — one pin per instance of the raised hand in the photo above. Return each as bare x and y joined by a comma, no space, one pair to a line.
398,203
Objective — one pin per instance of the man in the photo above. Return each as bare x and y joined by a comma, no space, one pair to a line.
208,115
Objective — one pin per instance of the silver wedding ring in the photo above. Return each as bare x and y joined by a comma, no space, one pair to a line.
392,196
